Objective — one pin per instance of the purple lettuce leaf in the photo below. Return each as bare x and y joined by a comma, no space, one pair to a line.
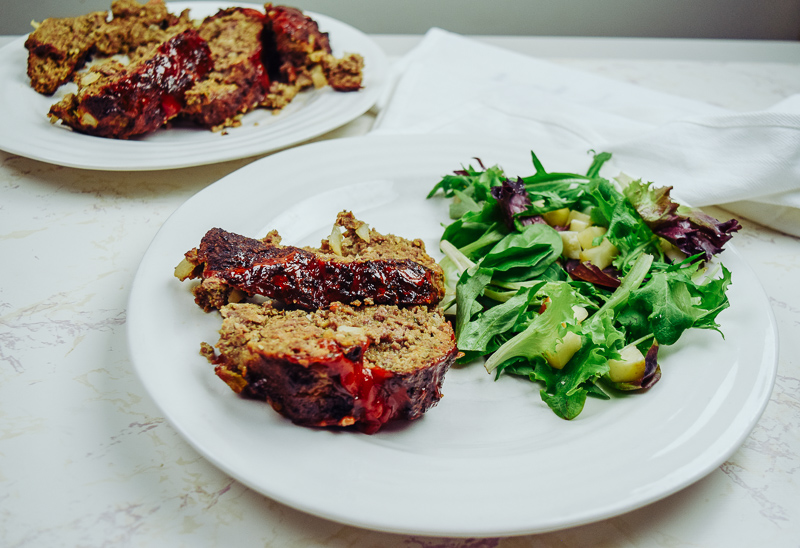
588,272
689,229
513,199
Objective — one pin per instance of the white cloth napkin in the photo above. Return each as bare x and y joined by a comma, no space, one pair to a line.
748,163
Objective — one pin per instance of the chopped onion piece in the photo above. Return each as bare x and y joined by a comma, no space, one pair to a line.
335,241
363,232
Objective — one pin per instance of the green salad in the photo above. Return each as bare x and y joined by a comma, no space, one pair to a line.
575,281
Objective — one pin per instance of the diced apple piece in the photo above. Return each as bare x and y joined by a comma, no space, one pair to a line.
578,221
571,247
580,313
574,214
557,217
565,349
184,269
600,256
672,252
629,368
576,225
588,235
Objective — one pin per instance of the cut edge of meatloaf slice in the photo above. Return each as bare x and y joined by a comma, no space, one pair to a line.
58,47
341,366
124,101
362,267
298,55
239,81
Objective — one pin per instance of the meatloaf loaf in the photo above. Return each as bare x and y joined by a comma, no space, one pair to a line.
357,266
340,366
257,59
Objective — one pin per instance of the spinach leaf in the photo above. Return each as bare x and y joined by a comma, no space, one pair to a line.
535,247
478,334
470,286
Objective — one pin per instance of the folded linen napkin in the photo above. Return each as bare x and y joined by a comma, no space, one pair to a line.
748,163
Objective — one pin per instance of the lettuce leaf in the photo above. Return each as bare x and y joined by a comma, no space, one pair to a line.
689,229
671,302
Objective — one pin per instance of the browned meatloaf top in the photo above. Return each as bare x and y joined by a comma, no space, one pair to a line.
359,265
239,81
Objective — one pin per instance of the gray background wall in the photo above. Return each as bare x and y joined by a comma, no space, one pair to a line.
752,19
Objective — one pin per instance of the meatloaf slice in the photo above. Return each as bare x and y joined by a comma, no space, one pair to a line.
340,366
239,81
58,47
124,101
367,268
345,74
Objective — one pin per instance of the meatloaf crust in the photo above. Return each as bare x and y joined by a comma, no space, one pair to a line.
59,47
341,366
363,266
299,55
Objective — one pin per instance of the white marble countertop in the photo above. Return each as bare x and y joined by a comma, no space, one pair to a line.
87,460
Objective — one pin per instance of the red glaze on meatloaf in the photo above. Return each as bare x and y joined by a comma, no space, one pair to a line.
292,38
341,366
60,46
369,268
258,60
123,101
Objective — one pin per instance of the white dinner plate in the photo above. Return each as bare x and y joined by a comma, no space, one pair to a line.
491,458
26,130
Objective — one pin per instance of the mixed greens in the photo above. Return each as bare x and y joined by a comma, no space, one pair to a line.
575,281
